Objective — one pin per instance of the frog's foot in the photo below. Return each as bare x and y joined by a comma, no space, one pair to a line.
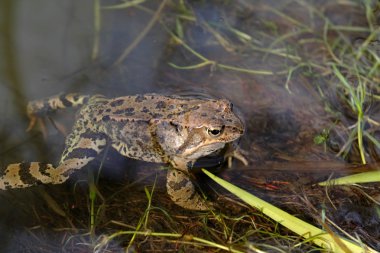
182,191
41,122
39,108
32,122
35,111
235,153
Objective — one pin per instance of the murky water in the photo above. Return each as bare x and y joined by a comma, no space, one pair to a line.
267,59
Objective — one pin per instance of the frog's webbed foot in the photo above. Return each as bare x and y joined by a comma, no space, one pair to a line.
182,191
38,109
234,152
41,122
34,120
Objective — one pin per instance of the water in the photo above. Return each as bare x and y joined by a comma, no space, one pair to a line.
47,47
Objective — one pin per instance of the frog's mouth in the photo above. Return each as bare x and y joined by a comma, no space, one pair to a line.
204,150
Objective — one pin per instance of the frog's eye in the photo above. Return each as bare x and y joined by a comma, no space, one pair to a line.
215,132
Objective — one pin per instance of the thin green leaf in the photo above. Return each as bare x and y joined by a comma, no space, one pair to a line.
365,177
298,226
123,5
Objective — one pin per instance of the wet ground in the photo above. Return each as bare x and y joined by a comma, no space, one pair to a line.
272,59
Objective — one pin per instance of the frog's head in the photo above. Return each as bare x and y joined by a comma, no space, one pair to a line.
209,127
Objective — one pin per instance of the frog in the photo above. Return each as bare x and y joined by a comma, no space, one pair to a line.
169,129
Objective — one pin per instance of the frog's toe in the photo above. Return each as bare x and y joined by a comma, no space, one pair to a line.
236,153
182,191
32,122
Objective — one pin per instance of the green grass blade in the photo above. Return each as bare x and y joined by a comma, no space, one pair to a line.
123,5
298,226
365,177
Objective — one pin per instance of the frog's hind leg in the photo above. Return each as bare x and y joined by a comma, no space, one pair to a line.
76,155
39,108
20,175
182,191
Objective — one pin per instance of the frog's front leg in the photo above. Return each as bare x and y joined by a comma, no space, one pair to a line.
76,155
182,190
178,183
234,152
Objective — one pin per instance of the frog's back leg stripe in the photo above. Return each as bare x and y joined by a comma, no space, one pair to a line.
20,175
78,154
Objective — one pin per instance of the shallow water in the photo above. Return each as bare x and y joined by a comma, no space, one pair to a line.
47,47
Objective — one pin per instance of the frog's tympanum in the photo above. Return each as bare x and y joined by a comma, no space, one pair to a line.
155,128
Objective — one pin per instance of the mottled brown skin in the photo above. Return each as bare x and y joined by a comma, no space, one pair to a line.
151,127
